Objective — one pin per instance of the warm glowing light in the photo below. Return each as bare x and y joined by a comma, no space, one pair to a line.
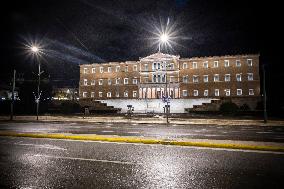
164,37
34,49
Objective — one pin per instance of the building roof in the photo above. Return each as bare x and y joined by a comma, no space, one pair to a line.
159,56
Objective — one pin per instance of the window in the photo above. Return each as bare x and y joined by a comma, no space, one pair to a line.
109,69
185,79
134,67
194,65
238,63
125,81
84,94
205,64
85,70
93,82
216,92
249,62
172,66
85,82
134,94
250,76
239,77
227,77
227,91
101,69
216,77
172,79
205,93
134,81
205,78
100,94
108,94
109,81
117,81
195,79
184,92
126,68
216,63
146,79
93,70
145,67
195,92
184,65
125,93
251,92
92,94
239,91
116,94
100,82
227,63
117,68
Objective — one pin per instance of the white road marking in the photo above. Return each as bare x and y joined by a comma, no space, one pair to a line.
133,132
107,131
46,146
134,124
264,132
87,159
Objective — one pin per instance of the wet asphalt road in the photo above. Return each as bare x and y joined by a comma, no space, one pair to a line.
46,163
244,133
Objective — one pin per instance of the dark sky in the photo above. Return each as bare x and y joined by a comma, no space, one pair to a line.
82,31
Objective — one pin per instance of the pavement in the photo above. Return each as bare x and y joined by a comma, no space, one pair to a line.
146,120
48,163
246,136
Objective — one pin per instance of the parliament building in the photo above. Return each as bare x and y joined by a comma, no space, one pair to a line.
184,82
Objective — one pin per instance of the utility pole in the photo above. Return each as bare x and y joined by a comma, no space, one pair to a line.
167,98
38,92
264,96
13,96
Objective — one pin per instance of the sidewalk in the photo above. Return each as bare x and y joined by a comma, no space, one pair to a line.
156,120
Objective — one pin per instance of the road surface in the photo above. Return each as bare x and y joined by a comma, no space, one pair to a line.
47,163
241,133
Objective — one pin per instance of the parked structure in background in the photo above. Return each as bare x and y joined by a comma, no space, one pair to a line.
189,82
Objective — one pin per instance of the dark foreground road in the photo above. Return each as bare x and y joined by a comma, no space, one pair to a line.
45,163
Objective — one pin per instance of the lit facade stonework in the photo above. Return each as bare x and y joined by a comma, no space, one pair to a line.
182,78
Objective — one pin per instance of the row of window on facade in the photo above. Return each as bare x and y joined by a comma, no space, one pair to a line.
109,69
216,78
109,94
109,81
161,78
184,93
216,64
163,65
217,92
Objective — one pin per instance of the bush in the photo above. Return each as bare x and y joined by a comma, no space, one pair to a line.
245,107
70,107
228,108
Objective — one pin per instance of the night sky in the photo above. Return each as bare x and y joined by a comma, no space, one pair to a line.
73,32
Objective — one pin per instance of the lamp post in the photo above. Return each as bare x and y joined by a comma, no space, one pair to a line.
35,51
164,39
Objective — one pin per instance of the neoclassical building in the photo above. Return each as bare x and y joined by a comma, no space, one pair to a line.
186,81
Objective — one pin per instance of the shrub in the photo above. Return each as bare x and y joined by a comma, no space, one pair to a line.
245,107
228,108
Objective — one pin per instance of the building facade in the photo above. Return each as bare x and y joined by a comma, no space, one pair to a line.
186,81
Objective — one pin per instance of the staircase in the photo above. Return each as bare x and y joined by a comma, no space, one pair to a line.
214,105
96,106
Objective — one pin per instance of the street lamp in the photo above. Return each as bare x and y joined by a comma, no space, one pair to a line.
35,50
164,38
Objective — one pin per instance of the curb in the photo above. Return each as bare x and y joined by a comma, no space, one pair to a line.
148,141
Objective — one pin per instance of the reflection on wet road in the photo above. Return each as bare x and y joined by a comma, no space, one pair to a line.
45,163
